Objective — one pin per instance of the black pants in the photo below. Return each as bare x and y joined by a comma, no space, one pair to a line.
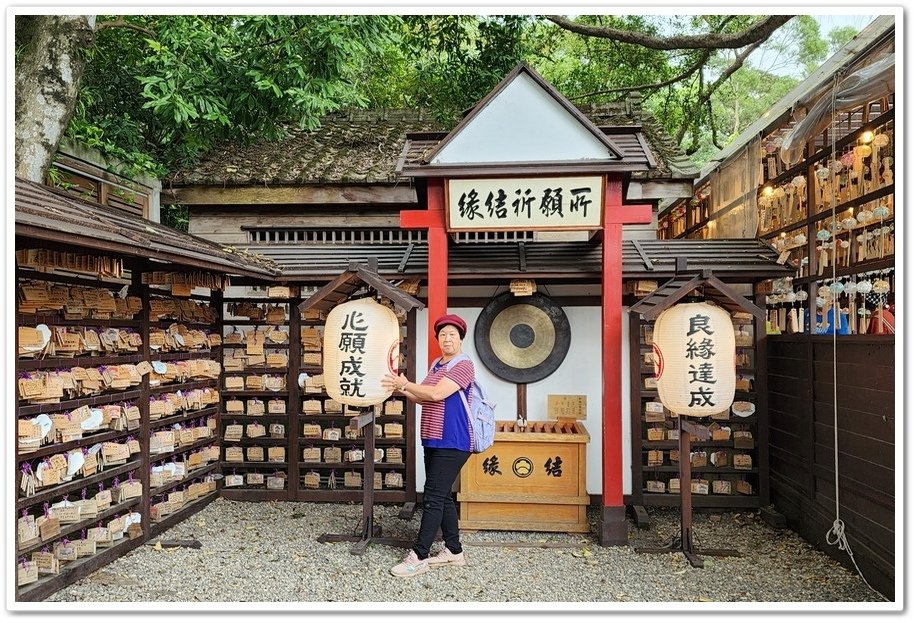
442,468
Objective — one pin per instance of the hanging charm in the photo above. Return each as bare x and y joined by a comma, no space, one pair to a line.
863,288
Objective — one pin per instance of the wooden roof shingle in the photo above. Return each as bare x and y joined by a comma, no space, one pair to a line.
730,260
43,214
358,146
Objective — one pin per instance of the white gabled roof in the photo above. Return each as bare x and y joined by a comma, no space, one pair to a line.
523,120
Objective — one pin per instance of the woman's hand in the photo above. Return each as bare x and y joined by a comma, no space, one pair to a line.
394,383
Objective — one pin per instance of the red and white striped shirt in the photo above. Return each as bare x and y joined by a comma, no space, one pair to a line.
432,415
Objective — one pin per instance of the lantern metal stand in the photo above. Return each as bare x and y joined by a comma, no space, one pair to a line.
368,532
685,543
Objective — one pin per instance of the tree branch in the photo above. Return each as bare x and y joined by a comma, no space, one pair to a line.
707,94
712,125
657,85
121,23
753,34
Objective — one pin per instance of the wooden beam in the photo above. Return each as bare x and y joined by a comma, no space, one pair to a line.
382,286
739,300
326,290
642,254
300,194
668,189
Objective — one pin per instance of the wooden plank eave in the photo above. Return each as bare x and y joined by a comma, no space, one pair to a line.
57,236
322,194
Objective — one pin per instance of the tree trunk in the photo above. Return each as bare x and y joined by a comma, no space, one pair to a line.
49,66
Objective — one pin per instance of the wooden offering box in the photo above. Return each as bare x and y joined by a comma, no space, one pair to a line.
531,479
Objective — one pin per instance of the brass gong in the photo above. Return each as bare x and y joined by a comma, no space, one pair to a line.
522,338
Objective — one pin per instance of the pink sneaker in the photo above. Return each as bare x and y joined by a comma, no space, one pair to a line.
410,566
446,557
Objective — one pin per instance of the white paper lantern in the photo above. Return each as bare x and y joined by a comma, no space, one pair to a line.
361,341
694,349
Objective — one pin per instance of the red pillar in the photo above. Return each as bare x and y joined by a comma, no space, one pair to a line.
613,527
433,220
437,287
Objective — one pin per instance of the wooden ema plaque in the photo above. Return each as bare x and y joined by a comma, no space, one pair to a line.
531,479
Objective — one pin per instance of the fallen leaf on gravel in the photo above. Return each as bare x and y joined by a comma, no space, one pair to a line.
108,579
158,546
704,599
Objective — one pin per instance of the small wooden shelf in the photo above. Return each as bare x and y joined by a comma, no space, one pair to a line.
73,571
182,355
231,416
251,393
183,417
200,443
358,465
164,524
61,490
88,440
81,361
52,319
256,441
264,464
70,405
67,529
186,386
197,473
673,469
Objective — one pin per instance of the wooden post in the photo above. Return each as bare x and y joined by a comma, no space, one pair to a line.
293,406
369,532
368,485
613,528
684,474
433,220
138,288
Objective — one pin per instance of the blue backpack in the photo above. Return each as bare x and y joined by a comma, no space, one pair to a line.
481,411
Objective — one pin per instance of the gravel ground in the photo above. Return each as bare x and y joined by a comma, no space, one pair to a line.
268,552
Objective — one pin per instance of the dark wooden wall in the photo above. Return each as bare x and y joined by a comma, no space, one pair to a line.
801,444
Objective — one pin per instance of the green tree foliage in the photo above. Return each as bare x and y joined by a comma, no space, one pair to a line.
840,36
159,90
447,63
704,96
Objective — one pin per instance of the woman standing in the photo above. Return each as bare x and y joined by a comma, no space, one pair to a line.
446,445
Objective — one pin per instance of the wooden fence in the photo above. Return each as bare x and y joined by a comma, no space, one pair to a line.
801,445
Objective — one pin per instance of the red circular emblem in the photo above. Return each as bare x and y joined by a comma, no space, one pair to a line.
659,361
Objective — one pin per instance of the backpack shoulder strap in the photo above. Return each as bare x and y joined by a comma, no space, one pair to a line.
453,361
